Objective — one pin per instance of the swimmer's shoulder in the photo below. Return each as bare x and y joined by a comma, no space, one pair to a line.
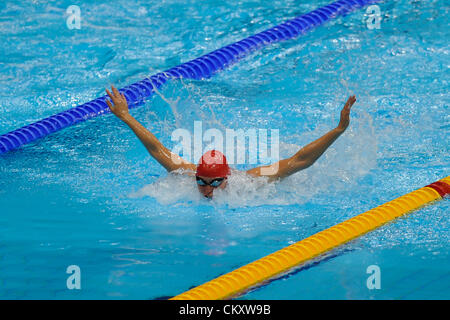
256,173
183,171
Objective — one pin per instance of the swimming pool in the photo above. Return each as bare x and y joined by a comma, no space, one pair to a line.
91,196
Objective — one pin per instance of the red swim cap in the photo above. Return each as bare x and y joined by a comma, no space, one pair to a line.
213,164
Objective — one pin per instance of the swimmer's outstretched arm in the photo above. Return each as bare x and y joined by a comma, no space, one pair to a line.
164,156
308,154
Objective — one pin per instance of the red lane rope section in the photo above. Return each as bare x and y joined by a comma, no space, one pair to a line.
441,187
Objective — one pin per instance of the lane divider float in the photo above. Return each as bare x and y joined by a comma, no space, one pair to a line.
279,262
200,68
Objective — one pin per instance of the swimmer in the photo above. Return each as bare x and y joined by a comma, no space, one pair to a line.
212,170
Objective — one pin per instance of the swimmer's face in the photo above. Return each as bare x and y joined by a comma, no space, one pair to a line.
205,187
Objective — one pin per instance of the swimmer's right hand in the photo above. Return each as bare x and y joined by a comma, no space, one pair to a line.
120,105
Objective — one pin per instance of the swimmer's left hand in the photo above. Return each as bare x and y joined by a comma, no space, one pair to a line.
345,114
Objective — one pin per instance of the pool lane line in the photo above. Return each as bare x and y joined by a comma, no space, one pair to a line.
199,68
281,261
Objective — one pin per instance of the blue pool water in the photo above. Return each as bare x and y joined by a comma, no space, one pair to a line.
91,196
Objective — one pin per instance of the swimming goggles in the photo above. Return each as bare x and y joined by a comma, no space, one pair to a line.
213,183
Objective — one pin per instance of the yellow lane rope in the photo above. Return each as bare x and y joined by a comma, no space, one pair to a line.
282,260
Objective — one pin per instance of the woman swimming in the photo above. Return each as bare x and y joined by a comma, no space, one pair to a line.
212,170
